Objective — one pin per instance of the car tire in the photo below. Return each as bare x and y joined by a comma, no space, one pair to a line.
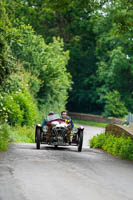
56,146
80,140
38,138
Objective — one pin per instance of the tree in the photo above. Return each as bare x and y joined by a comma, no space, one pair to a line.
7,64
114,106
71,20
114,54
98,35
49,80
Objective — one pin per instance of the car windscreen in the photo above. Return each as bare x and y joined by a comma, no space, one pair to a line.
52,117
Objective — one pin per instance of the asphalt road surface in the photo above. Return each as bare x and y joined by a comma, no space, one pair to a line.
64,173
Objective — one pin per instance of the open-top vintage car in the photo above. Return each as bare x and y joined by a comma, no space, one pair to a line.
58,132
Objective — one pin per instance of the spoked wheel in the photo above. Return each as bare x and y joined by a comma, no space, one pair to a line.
38,138
80,140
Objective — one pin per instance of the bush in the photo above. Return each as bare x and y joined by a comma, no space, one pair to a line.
27,107
18,108
97,141
10,111
118,146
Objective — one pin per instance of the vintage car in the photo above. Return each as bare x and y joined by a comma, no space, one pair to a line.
58,132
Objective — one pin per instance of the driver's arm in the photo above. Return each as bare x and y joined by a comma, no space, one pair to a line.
44,123
72,124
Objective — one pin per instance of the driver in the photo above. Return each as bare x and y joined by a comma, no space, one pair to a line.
45,121
66,117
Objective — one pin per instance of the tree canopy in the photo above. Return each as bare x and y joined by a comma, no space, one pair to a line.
73,54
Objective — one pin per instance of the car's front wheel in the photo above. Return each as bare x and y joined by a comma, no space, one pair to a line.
38,138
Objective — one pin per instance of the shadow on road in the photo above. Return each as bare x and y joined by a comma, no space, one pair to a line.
44,147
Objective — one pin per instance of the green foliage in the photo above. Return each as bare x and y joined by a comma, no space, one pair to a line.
100,56
22,134
70,22
16,104
114,60
7,64
53,93
4,137
97,141
15,134
18,108
118,146
97,51
114,106
49,81
16,82
10,110
28,108
99,62
40,76
121,13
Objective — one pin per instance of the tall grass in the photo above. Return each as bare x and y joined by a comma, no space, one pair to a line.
4,137
22,134
15,134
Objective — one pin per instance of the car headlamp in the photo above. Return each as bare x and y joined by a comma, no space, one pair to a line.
45,128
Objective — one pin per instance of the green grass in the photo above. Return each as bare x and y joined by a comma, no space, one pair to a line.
118,146
15,134
23,134
89,123
4,137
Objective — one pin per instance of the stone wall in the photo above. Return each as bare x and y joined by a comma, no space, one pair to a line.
114,124
119,130
95,118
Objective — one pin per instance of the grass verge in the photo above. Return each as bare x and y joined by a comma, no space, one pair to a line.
23,134
89,123
15,134
118,146
4,137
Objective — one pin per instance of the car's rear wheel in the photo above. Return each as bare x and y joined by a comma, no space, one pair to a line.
80,140
38,138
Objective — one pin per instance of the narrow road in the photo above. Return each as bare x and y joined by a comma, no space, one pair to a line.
64,173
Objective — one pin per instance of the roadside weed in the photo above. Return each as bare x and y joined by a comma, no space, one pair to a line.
118,146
